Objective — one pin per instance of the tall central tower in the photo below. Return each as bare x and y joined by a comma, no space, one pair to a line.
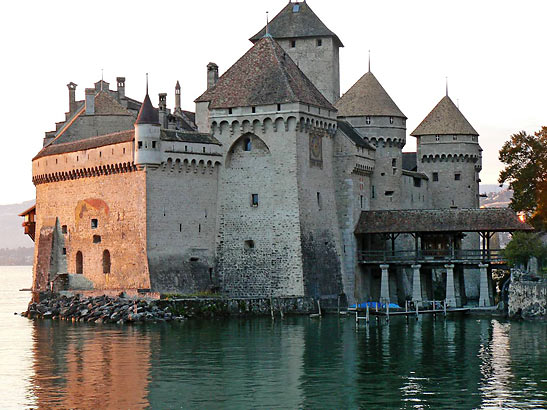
311,45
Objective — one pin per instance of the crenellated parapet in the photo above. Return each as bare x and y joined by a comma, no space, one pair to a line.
195,166
448,157
88,172
383,142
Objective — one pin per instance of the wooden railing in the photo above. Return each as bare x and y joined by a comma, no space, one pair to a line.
431,255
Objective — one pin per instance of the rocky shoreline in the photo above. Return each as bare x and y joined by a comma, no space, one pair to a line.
100,309
121,309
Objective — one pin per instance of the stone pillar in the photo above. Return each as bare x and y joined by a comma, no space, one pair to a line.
484,295
450,288
416,284
384,284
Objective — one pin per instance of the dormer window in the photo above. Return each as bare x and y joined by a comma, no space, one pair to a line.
367,120
296,8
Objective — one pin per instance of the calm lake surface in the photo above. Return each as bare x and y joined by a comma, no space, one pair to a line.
292,363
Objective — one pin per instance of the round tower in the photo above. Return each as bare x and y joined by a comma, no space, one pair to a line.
147,136
371,111
448,152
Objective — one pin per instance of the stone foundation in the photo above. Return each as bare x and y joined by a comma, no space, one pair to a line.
527,299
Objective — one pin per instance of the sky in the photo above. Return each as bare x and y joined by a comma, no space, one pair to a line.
493,53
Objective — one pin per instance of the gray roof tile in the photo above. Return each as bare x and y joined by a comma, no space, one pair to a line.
445,119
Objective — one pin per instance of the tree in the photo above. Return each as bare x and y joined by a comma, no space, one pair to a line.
525,157
522,247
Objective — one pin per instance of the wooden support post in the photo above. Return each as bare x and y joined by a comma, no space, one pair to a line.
319,307
417,312
444,307
368,315
271,308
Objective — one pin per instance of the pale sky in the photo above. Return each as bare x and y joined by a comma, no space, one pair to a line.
493,53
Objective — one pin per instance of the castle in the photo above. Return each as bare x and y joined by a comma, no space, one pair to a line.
275,186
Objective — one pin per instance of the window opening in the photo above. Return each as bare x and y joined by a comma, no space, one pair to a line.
106,262
373,192
389,193
435,176
417,182
229,110
367,120
457,177
278,107
247,145
94,223
96,238
253,110
319,202
154,144
254,199
79,263
203,149
391,120
437,138
64,251
296,8
140,144
249,244
293,43
319,42
362,201
64,229
394,162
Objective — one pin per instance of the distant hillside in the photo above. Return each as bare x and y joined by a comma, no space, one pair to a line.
486,188
11,231
16,257
500,199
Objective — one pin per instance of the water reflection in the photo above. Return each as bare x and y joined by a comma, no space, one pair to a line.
294,363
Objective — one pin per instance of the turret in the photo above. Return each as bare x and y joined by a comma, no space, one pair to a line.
448,151
162,108
212,75
121,87
147,136
177,96
312,46
371,111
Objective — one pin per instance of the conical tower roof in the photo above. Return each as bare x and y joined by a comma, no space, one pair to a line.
367,97
445,119
265,75
147,114
296,20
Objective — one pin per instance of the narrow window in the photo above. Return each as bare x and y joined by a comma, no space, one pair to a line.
362,201
253,109
247,144
254,200
367,120
373,193
293,43
154,144
180,227
204,149
94,223
140,144
124,150
64,251
394,171
64,229
435,176
79,263
437,138
96,238
319,42
56,161
457,177
278,107
455,137
391,120
417,182
106,262
100,154
394,162
319,202
249,244
186,148
199,228
229,110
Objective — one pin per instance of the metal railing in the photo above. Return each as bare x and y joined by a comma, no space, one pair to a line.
486,255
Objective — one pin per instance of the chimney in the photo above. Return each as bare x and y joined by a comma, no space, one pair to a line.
177,96
89,101
121,87
212,75
71,97
162,107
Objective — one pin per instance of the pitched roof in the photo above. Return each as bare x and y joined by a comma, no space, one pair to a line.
88,143
367,97
444,119
184,136
264,75
353,135
105,104
440,220
147,114
296,20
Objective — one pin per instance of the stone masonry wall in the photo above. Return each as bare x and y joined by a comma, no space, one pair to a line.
527,300
105,212
258,248
181,218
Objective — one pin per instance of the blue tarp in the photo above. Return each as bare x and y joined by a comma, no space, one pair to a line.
372,305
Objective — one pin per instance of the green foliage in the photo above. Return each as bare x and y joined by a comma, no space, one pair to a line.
525,157
522,247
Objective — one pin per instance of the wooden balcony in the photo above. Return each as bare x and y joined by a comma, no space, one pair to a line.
431,256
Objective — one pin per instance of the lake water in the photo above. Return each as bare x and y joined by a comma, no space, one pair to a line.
297,362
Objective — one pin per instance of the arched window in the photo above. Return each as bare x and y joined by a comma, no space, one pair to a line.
247,144
106,261
79,262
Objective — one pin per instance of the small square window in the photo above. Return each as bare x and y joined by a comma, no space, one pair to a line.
94,223
293,43
249,244
435,176
254,199
319,42
417,182
455,137
96,238
457,177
